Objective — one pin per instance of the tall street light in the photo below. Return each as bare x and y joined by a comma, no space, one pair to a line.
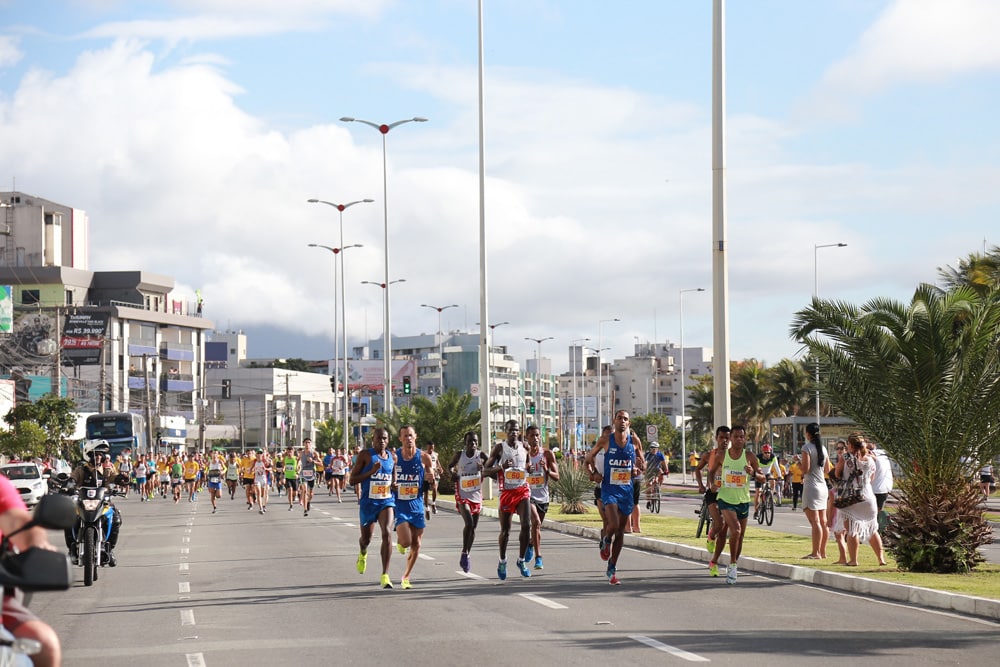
576,417
684,386
336,344
343,301
439,310
538,361
816,248
489,347
384,130
600,384
387,387
597,427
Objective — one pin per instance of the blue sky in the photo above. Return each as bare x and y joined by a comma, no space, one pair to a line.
192,132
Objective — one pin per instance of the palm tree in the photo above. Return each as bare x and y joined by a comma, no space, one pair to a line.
700,410
924,380
979,271
749,397
789,392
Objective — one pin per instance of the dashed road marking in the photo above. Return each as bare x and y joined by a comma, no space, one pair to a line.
184,587
666,648
187,616
543,601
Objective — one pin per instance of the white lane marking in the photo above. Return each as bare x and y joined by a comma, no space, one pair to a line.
187,616
183,586
185,540
543,601
426,557
350,525
672,650
185,550
184,567
187,530
470,575
195,660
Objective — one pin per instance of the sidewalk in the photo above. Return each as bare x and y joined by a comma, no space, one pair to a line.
921,597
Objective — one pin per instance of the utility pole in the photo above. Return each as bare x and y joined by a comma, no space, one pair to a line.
243,442
149,403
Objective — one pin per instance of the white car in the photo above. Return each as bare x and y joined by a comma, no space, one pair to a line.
27,479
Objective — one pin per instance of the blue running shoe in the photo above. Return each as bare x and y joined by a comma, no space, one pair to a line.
502,570
529,553
464,562
523,568
538,563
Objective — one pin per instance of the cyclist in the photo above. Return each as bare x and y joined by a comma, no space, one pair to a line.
772,470
656,470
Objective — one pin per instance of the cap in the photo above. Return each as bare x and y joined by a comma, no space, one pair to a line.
766,449
654,445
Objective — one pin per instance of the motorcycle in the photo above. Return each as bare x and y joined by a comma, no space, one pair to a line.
32,570
95,515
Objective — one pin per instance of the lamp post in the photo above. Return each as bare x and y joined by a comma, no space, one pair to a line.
439,310
597,427
573,363
538,375
343,302
600,384
680,298
336,349
493,328
384,130
816,248
387,387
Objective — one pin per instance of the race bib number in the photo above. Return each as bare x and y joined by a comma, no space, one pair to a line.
408,490
621,476
471,483
308,474
513,478
536,480
379,491
289,467
214,476
734,480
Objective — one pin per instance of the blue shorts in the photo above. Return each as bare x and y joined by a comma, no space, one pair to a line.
742,509
411,516
623,499
370,509
216,486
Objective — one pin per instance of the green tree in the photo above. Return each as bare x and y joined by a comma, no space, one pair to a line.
28,441
50,413
981,272
329,433
750,398
923,379
789,393
667,436
700,411
300,365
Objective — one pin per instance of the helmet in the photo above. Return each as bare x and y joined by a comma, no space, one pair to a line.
766,449
654,445
95,447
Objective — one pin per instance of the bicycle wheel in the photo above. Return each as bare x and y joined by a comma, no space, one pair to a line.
768,509
758,512
703,520
656,503
777,497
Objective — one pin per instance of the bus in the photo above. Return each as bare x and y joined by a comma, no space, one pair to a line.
122,430
171,434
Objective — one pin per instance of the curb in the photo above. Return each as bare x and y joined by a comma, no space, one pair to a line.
915,595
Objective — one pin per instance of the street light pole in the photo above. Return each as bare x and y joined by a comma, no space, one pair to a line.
439,310
343,306
387,387
600,384
387,342
489,347
538,375
574,363
684,473
816,248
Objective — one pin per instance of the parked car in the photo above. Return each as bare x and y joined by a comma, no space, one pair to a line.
27,479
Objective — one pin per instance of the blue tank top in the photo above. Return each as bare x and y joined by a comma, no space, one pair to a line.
618,463
409,480
377,487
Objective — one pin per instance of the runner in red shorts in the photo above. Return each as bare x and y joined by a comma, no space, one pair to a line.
509,462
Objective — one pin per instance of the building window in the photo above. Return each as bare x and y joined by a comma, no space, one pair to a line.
30,297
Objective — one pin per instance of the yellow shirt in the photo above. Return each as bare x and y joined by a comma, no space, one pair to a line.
191,469
246,466
796,471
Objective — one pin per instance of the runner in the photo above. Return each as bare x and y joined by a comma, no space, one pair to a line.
191,469
412,466
373,475
716,539
216,469
290,466
232,475
431,482
541,468
467,468
260,484
309,462
339,467
509,461
163,472
328,470
176,477
246,474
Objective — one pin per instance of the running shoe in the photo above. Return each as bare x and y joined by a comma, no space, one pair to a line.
434,508
362,563
400,548
612,575
385,582
710,545
427,513
502,570
730,574
463,562
538,563
214,510
529,553
306,513
523,568
406,584
605,548
713,569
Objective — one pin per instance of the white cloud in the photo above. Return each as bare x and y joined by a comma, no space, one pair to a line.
913,41
10,51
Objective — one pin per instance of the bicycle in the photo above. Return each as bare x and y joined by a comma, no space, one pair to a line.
653,496
765,508
704,519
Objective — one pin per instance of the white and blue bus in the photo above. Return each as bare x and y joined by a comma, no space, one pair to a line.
122,430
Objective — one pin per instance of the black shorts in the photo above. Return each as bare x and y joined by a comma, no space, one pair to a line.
986,479
248,481
636,487
597,493
543,508
291,482
712,497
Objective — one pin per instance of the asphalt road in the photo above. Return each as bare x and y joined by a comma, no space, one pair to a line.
240,588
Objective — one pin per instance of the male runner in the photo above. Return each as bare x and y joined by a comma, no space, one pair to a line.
716,538
373,475
734,468
412,467
309,463
509,461
541,468
467,467
290,472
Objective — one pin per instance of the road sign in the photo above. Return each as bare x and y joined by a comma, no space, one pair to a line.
652,431
474,389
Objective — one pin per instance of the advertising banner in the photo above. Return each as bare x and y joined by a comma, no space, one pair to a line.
6,309
83,338
370,373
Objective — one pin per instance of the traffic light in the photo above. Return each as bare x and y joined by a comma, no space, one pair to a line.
333,384
406,384
227,389
531,407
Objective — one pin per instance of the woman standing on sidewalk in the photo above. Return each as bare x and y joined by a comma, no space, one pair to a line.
815,462
860,520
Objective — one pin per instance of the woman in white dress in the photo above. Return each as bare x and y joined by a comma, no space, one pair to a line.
815,463
860,520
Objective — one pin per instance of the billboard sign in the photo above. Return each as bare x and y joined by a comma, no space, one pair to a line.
370,373
83,338
6,309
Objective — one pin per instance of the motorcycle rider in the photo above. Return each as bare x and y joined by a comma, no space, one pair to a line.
93,471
